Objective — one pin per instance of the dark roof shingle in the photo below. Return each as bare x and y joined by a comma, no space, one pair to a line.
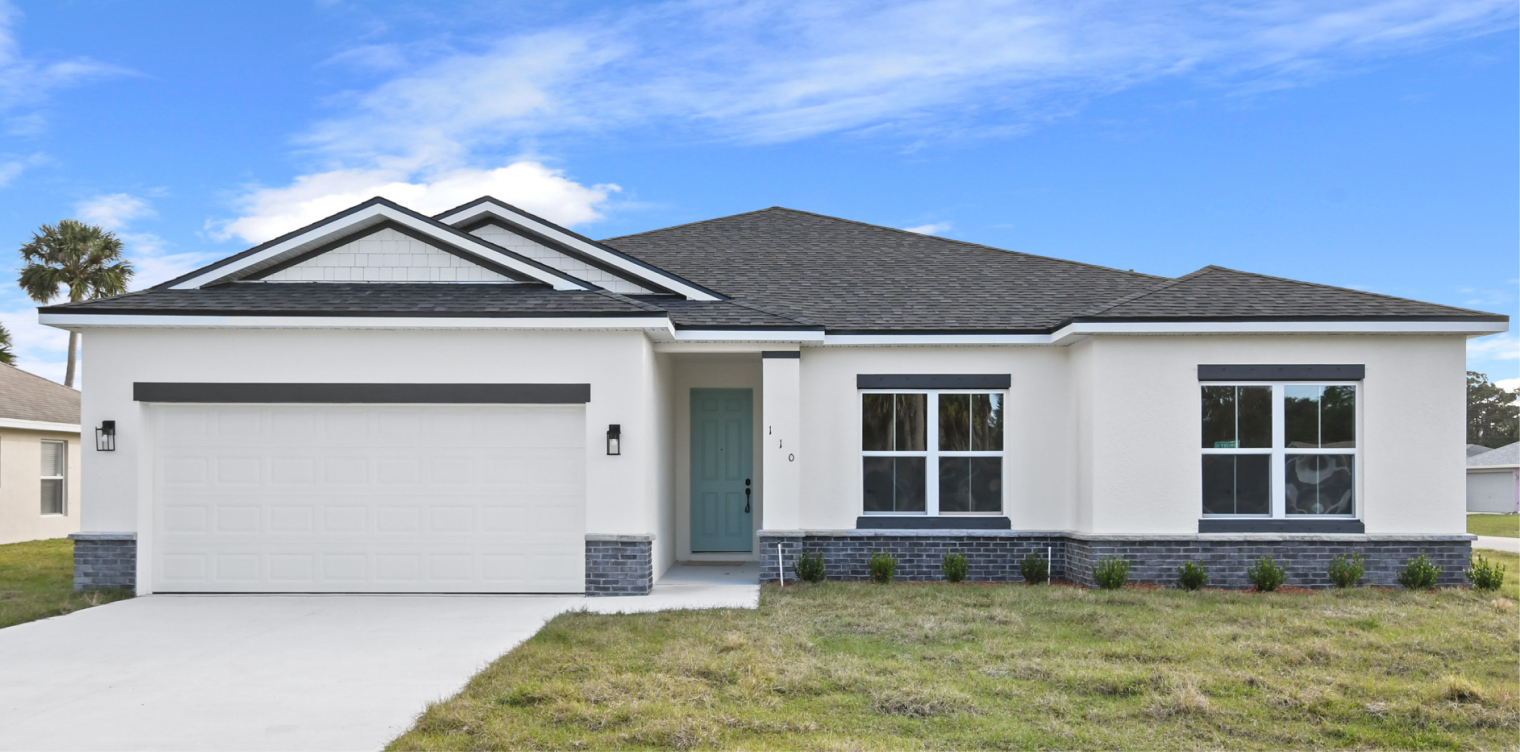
26,396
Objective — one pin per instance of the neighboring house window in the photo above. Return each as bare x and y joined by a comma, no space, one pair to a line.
932,452
54,460
1279,450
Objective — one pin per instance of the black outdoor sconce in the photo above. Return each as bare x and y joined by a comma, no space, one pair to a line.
614,439
105,436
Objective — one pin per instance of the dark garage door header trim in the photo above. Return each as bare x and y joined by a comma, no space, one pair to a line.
472,394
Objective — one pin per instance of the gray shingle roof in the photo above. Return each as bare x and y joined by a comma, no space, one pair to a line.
1505,455
352,299
1215,292
851,276
784,268
25,396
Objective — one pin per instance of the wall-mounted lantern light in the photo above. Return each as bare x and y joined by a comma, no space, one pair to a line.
614,439
105,436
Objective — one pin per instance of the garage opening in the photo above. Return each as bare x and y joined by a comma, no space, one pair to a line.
368,498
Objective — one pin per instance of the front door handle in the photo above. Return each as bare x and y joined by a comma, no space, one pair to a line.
746,496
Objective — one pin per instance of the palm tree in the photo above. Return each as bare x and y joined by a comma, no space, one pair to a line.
84,258
6,355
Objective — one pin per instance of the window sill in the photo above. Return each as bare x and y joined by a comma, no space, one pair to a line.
1264,525
925,522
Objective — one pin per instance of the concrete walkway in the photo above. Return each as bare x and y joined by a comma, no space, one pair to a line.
1494,543
316,672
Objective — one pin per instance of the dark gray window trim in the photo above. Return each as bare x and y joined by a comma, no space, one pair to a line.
1266,372
475,394
934,381
783,354
925,522
1281,526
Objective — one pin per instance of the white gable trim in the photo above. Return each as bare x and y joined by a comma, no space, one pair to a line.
648,274
370,215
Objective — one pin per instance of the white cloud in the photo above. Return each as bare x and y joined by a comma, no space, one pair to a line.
1504,346
27,82
938,228
271,212
1508,385
114,211
39,349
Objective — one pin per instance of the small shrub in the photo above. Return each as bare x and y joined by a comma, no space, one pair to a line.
1267,575
1485,575
955,566
1345,572
809,567
883,566
1034,569
1192,576
1111,574
1419,574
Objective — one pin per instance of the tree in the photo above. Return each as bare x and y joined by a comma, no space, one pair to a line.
1493,418
83,258
6,355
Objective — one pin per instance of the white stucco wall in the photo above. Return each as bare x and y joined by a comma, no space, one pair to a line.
617,365
1144,402
1038,442
21,517
1493,490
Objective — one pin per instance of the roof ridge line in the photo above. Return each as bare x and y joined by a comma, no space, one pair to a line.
689,224
959,242
1134,296
1347,289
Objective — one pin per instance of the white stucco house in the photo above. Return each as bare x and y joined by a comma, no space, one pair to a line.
1493,480
483,401
39,457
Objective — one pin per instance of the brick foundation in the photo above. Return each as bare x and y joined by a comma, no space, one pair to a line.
105,561
994,554
619,564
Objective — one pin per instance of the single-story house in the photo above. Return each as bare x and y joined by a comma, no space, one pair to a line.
39,457
1493,480
484,401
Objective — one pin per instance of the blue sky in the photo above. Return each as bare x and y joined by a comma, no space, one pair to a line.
1367,143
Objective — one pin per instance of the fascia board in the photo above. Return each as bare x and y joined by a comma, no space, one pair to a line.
1279,327
119,321
38,425
746,335
362,219
491,208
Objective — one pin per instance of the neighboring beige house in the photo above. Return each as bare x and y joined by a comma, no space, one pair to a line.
1493,480
39,457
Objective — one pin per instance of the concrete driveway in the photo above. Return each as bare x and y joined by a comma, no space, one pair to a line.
168,672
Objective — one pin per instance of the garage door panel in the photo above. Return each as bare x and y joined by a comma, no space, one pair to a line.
369,498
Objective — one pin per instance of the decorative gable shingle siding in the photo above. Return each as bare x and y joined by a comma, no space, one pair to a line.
550,257
386,256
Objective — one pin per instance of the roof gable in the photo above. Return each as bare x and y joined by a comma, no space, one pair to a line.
500,234
386,252
349,224
612,263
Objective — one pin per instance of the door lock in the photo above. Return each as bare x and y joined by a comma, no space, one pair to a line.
746,495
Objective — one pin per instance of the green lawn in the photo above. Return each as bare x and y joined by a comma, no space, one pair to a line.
1502,525
862,666
37,581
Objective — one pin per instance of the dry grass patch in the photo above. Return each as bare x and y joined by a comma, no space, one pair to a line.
861,666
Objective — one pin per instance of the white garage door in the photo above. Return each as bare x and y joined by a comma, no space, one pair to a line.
369,498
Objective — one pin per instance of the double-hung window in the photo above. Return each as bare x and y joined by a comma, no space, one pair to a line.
932,452
54,460
1279,450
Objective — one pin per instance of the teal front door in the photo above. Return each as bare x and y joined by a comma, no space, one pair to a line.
722,484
